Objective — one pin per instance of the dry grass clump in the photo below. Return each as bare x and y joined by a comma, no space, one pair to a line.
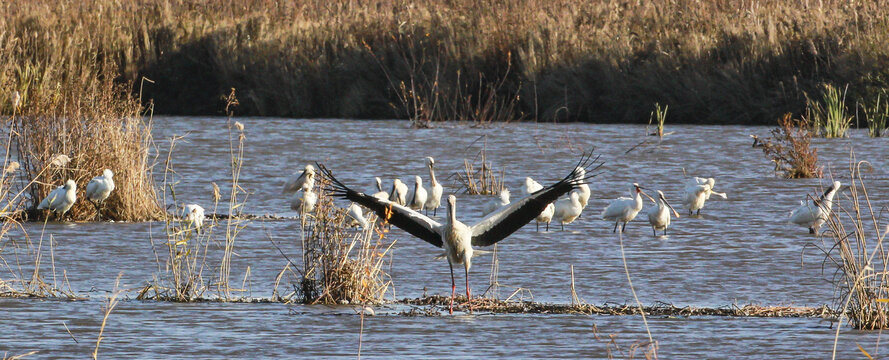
339,265
60,79
480,180
789,148
856,235
714,61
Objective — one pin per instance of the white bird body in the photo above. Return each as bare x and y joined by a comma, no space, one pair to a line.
698,191
659,216
61,199
624,209
418,195
380,194
100,187
530,186
494,204
813,213
398,193
568,209
583,190
304,201
435,191
357,216
193,215
299,180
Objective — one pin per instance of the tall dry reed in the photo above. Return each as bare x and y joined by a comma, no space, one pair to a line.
714,61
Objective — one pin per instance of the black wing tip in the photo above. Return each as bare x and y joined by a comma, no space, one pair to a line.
337,188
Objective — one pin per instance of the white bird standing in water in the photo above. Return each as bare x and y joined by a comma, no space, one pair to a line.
303,201
583,191
456,238
494,204
568,209
698,191
193,215
61,199
357,216
434,200
299,179
658,216
813,213
546,215
100,188
418,195
380,194
624,209
398,193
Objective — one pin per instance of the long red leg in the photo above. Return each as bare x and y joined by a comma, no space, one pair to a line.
468,293
453,287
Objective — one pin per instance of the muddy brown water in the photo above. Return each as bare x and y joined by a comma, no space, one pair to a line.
740,251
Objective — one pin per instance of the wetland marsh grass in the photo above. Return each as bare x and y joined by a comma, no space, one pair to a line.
339,265
713,61
480,179
829,114
789,147
876,115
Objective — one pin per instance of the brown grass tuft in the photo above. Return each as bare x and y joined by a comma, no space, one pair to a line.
789,148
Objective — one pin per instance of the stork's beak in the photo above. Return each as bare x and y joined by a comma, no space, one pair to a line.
670,206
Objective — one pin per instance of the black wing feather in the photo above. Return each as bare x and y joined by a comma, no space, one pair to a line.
502,223
400,216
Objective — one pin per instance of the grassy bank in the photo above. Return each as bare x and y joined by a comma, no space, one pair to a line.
709,61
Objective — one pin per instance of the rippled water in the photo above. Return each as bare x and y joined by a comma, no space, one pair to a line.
740,251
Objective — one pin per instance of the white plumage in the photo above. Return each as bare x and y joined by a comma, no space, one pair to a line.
583,190
398,193
100,187
494,204
698,191
193,215
418,195
812,213
568,209
357,216
299,179
61,199
529,187
435,190
624,209
659,216
380,194
303,201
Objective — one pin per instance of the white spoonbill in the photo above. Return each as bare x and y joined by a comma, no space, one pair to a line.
583,191
658,216
193,215
529,187
418,195
698,191
380,194
357,216
624,209
299,179
61,199
813,213
456,238
568,209
399,192
304,201
434,200
99,188
494,204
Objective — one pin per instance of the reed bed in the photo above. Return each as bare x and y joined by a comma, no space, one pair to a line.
480,179
876,115
339,265
714,61
187,246
789,147
658,117
829,115
854,243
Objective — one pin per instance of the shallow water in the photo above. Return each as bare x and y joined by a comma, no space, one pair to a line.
740,251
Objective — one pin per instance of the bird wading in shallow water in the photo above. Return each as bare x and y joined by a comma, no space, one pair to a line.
435,191
61,199
299,179
698,191
812,213
659,215
99,189
624,209
456,238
